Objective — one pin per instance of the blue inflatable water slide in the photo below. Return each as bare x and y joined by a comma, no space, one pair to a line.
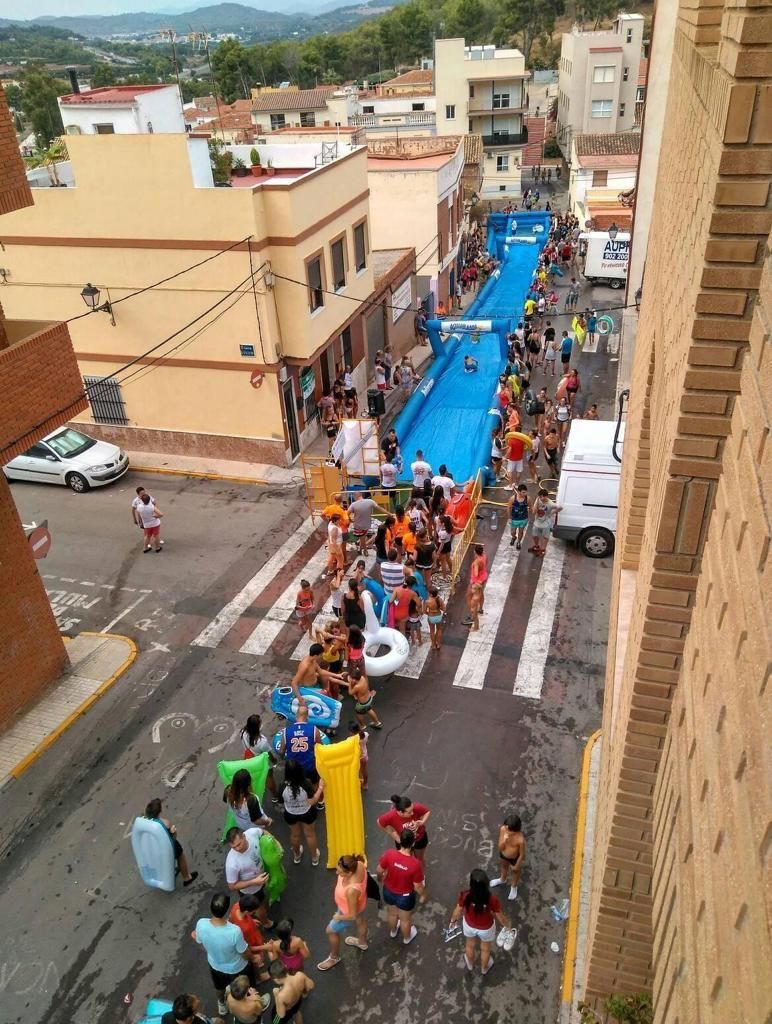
451,414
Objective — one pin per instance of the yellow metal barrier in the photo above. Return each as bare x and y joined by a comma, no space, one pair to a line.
465,538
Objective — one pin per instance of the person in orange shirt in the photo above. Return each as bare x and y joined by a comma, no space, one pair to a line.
401,522
409,540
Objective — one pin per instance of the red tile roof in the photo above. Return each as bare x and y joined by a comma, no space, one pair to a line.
610,144
291,99
414,77
110,94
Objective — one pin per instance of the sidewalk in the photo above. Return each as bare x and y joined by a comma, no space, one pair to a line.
576,933
214,469
97,660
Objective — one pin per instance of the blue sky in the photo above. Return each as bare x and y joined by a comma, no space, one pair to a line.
35,8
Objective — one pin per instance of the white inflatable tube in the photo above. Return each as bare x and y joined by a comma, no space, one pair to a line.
377,636
520,239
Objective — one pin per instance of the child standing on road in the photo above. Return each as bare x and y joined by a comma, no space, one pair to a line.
434,607
304,607
474,600
364,698
511,854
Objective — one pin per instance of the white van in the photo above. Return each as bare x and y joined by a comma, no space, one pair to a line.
588,488
605,258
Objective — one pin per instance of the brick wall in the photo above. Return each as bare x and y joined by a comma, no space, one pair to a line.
40,385
683,833
15,193
33,651
186,442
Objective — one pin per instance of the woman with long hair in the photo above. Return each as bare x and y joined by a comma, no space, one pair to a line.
353,606
300,798
383,538
255,742
406,814
287,947
479,910
351,904
244,803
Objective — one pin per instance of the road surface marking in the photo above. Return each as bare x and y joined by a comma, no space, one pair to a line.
107,586
417,657
175,773
132,590
67,579
177,718
227,617
478,648
266,631
48,576
533,657
321,619
125,611
87,583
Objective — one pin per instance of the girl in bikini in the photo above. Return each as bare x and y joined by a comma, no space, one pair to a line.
434,607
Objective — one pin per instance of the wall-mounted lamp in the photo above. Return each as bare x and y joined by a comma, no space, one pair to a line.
91,296
613,231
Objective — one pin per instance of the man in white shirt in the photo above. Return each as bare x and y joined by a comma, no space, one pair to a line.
421,470
243,865
388,476
135,509
445,481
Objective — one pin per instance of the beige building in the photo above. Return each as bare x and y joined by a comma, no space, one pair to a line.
598,79
411,83
601,168
680,901
202,362
417,197
292,108
482,90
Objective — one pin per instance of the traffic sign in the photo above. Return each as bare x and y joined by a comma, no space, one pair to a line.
40,541
256,378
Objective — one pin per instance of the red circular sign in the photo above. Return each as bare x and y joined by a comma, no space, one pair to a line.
40,542
256,378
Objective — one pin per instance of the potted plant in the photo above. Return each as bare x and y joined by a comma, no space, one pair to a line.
240,168
270,169
254,156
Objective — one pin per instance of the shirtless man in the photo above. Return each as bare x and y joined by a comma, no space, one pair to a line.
244,1002
311,673
364,697
511,854
290,991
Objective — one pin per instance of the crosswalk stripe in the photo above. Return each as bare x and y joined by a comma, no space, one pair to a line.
478,648
305,641
533,656
227,617
278,615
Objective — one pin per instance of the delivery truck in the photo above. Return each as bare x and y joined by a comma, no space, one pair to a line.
588,490
605,258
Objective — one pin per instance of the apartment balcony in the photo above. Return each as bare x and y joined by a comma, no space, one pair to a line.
390,122
480,109
508,139
42,387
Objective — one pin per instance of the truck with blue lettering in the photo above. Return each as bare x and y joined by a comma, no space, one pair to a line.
604,259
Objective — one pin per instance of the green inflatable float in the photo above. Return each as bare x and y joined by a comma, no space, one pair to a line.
271,850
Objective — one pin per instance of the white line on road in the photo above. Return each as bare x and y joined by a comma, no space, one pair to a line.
67,579
478,649
536,645
266,631
87,583
131,590
227,617
321,619
48,576
126,611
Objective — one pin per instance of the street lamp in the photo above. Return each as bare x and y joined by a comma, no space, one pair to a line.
613,231
91,296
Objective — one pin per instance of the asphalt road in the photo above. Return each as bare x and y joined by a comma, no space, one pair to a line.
92,932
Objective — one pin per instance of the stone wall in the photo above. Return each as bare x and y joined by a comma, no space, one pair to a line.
682,834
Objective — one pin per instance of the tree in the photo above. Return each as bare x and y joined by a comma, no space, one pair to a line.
230,64
595,11
102,74
529,20
39,93
13,95
471,19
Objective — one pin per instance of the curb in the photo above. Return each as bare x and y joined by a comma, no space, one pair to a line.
569,962
60,729
199,475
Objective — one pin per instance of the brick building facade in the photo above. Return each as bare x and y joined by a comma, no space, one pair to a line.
40,389
680,895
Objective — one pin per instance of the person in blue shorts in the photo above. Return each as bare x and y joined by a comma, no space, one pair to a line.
519,514
470,364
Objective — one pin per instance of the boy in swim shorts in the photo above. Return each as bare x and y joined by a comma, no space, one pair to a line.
364,698
290,991
511,854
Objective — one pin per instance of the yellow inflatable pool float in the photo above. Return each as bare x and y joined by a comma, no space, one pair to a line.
338,765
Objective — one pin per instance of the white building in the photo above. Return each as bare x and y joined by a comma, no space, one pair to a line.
483,90
123,110
603,168
598,79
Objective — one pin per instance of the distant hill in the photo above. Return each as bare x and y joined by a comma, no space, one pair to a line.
225,17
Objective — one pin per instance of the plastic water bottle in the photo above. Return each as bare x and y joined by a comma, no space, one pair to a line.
494,520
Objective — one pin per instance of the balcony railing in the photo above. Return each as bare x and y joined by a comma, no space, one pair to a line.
399,120
506,139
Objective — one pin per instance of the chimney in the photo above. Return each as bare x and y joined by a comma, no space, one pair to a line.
74,80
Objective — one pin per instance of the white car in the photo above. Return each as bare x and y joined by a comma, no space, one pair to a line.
68,457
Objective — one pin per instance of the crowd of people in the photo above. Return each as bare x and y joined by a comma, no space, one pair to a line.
250,947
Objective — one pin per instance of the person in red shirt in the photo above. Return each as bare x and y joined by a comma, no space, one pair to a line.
402,876
479,909
516,446
244,915
406,814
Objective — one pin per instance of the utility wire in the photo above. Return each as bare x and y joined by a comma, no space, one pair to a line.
164,280
132,362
